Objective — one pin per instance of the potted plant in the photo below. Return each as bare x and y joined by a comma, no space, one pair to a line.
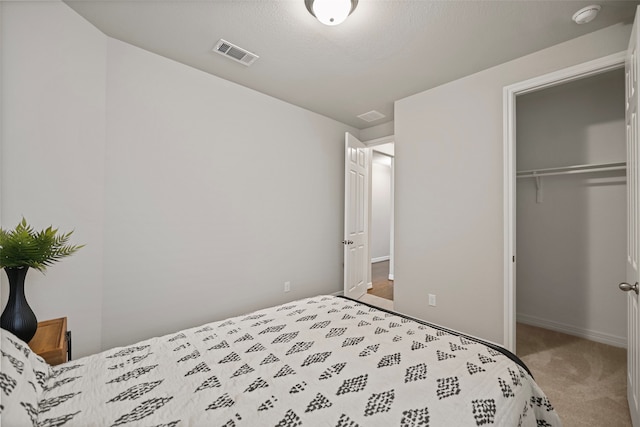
20,249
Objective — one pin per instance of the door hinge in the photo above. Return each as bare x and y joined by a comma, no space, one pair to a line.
513,258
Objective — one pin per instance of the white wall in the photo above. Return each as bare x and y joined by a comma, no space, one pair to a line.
216,195
571,247
378,131
197,198
53,140
380,207
449,200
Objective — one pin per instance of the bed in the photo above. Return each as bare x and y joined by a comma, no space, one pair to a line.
321,361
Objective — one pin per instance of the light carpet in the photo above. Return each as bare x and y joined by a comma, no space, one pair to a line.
585,380
377,301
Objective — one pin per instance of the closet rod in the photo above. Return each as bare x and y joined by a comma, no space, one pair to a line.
569,170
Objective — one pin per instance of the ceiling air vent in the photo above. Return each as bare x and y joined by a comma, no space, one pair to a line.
371,116
234,52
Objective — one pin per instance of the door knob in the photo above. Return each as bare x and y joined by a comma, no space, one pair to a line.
627,287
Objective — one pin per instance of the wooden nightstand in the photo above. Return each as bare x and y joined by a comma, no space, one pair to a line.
52,341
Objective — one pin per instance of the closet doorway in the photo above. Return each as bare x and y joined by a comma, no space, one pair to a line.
566,233
571,192
574,146
566,237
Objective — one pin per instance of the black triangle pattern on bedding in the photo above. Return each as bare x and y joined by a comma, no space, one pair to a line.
323,360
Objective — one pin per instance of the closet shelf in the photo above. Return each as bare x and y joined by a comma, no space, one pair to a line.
570,170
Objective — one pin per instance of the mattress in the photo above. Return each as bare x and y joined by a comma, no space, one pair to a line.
321,361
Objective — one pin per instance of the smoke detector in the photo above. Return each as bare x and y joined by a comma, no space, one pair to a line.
234,52
586,14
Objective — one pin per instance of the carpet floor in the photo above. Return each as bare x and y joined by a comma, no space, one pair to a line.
376,301
585,380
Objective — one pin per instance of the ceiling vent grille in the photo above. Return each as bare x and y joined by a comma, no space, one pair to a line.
371,116
234,52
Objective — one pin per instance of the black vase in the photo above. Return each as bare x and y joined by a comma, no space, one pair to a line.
17,317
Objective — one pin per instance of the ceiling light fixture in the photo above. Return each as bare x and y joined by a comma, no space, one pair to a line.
331,12
586,14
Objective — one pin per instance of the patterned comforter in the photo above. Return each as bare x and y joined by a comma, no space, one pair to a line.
322,361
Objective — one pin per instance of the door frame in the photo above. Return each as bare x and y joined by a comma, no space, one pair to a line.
587,69
370,144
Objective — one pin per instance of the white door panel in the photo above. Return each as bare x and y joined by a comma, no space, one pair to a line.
633,212
356,226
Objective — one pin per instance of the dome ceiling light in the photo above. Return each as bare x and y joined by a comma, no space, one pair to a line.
586,14
331,12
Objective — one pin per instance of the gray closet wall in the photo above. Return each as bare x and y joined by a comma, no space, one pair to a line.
571,245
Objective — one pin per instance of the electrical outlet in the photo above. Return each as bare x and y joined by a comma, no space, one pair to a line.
287,286
432,300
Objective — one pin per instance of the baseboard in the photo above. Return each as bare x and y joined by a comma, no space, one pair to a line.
391,277
337,294
600,337
380,259
369,285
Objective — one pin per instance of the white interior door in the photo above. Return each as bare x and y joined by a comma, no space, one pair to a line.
356,223
631,286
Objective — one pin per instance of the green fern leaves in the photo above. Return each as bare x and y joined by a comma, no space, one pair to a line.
23,247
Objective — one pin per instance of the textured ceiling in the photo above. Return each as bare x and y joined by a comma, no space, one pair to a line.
386,50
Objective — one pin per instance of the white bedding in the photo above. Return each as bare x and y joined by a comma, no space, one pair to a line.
323,361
